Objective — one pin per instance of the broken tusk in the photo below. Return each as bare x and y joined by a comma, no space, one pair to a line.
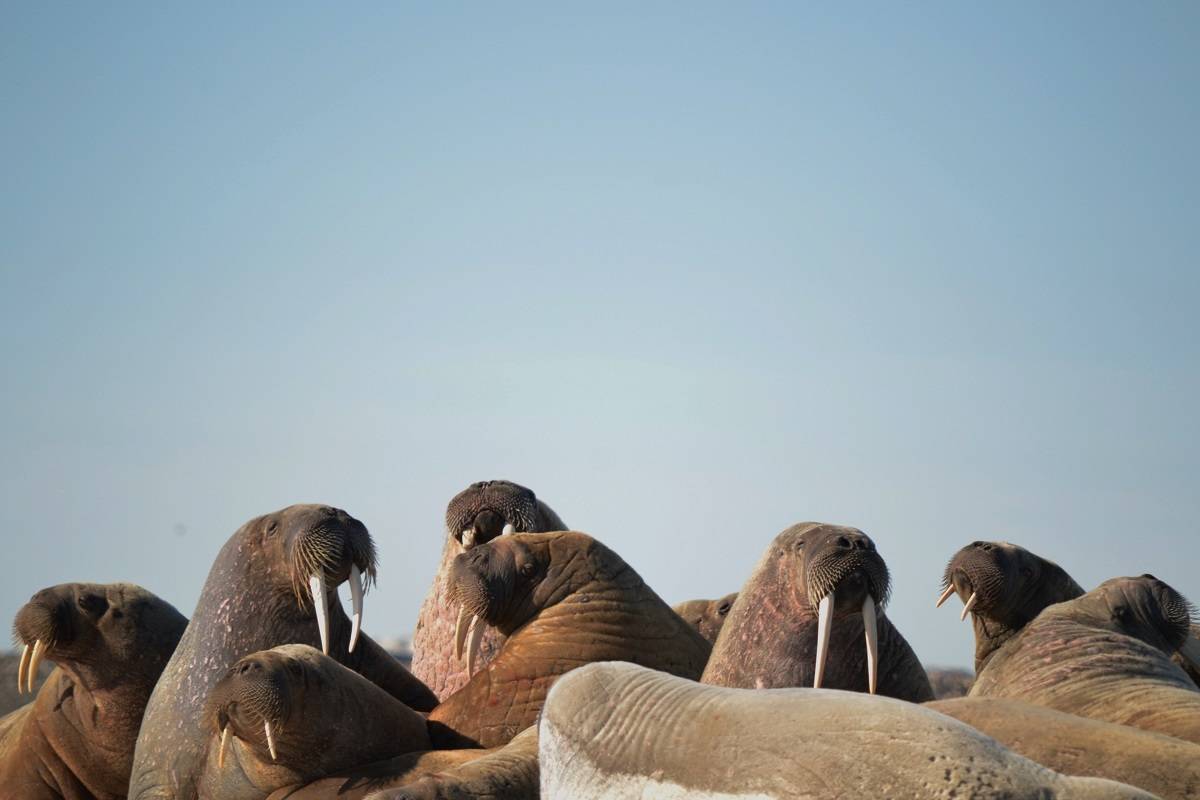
508,528
969,605
468,538
478,626
316,585
824,624
945,595
356,604
270,739
22,670
35,661
870,626
221,748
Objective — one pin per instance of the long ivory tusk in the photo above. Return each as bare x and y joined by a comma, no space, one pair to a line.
356,604
508,528
478,626
824,626
970,604
468,538
870,626
316,584
945,595
39,649
270,739
221,748
22,670
460,632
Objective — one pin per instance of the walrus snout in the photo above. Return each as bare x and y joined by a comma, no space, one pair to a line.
46,622
977,574
488,509
252,702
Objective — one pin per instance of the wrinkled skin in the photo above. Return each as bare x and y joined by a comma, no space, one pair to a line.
769,639
706,616
76,739
483,508
563,600
255,599
1105,655
323,717
1011,586
509,772
1162,765
619,731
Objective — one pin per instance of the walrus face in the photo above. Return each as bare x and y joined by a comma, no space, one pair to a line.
488,509
253,701
1005,583
310,550
1143,607
104,628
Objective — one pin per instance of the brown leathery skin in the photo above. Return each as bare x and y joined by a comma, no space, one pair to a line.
486,507
769,638
250,602
324,717
1074,745
564,600
1105,655
76,739
1012,586
706,616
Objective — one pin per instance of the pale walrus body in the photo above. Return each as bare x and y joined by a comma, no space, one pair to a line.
706,616
268,586
1105,655
619,731
564,600
474,516
774,637
76,739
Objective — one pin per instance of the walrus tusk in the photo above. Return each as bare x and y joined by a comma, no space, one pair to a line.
22,670
468,538
508,528
945,595
824,624
460,632
316,584
39,649
478,626
1191,652
969,605
221,748
872,632
356,604
270,739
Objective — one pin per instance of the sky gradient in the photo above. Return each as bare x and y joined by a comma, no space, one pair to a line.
692,273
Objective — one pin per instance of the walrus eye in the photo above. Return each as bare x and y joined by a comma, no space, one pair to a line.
92,604
723,609
1120,613
527,569
274,526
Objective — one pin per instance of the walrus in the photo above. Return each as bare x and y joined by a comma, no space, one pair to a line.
1106,655
706,616
1003,586
509,772
621,731
274,582
476,515
563,600
76,739
1073,745
290,715
819,589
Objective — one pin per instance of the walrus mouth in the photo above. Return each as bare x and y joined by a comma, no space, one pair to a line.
256,700
319,559
856,578
39,626
488,509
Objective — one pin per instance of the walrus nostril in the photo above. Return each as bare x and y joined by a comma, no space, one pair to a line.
843,543
249,666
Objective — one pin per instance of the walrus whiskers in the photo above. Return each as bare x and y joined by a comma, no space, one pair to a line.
22,670
824,626
39,649
968,605
316,584
356,603
871,629
945,595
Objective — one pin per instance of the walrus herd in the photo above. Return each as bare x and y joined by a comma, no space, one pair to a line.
545,666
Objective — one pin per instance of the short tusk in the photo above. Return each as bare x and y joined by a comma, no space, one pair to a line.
468,538
356,604
270,740
35,661
970,604
945,595
508,528
23,670
460,632
824,626
478,626
871,627
316,585
221,748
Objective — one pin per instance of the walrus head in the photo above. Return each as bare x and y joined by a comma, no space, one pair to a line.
311,550
488,509
253,701
107,630
1145,608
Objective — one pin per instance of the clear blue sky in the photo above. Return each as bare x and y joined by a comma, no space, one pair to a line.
692,272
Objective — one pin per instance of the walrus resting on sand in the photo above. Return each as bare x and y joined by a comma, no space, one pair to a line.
620,731
75,740
274,582
563,600
812,615
474,516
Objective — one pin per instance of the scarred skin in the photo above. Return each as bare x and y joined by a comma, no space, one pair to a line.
1012,586
485,508
706,616
254,599
324,718
769,638
620,732
1072,745
509,772
1105,655
76,739
564,600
